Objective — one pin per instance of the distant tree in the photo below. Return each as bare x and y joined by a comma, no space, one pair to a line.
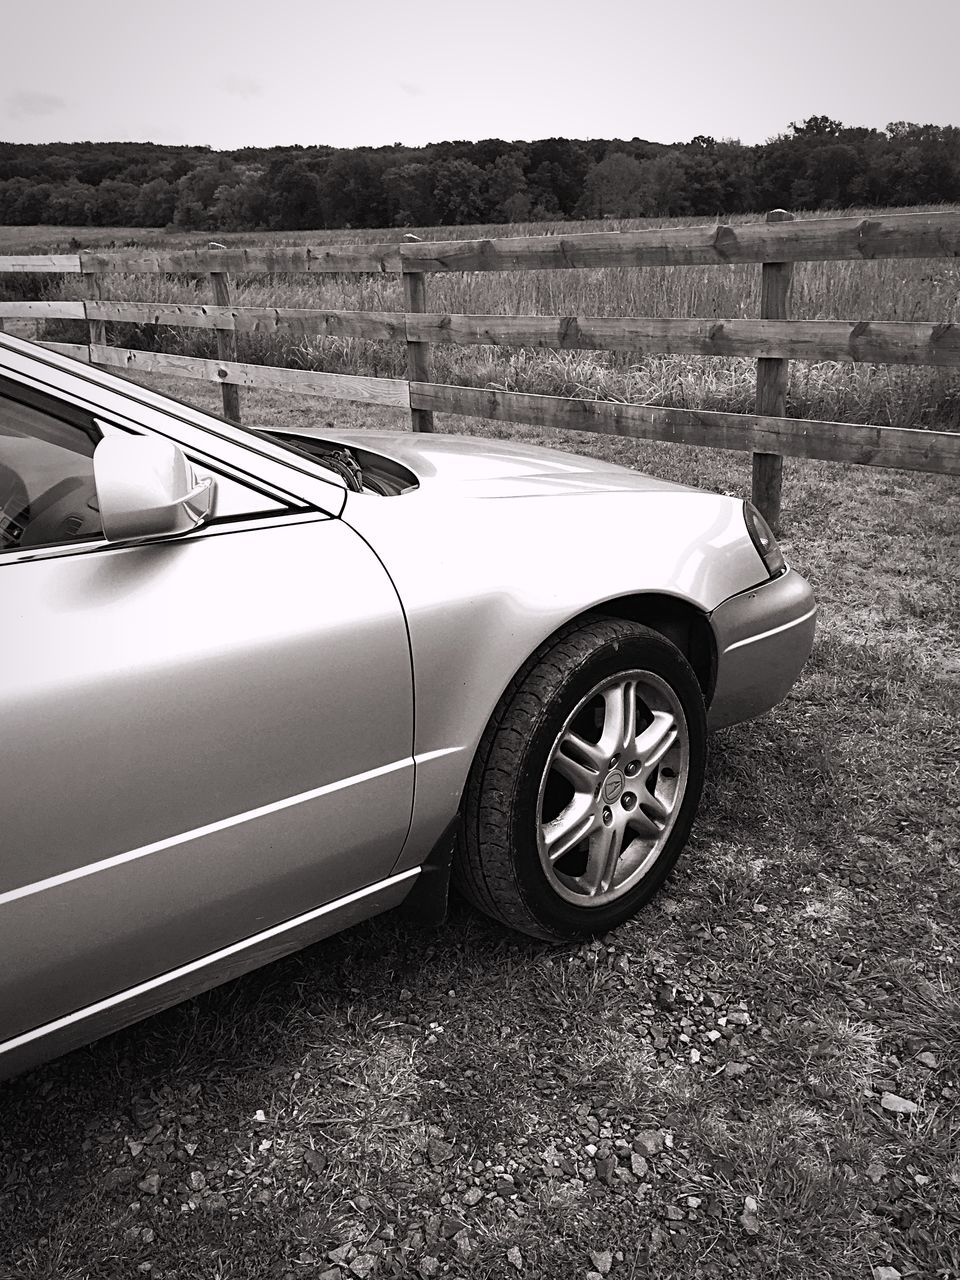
408,191
816,127
489,151
830,171
546,184
351,191
195,193
292,195
156,201
777,165
559,186
115,203
59,169
816,162
907,131
71,204
7,199
665,183
925,173
718,178
26,203
458,190
243,204
507,197
613,188
178,167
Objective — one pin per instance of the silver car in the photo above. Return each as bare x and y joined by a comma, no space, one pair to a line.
258,685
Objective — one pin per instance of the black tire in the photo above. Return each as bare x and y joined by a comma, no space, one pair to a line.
498,864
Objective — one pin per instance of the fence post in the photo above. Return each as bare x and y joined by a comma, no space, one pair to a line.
772,377
96,329
226,346
419,362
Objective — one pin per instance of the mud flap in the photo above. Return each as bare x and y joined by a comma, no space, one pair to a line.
427,901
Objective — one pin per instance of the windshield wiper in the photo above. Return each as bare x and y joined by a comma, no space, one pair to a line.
335,457
346,466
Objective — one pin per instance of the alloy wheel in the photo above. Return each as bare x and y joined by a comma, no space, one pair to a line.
612,787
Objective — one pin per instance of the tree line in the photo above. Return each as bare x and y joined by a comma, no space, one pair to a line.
816,163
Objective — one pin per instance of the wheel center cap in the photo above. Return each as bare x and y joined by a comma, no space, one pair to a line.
613,786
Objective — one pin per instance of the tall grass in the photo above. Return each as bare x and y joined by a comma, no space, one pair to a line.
881,290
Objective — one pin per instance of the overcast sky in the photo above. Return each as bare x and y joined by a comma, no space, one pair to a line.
374,72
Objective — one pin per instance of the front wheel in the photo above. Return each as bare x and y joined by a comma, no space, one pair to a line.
586,782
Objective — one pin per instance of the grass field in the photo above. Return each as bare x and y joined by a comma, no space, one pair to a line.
757,1076
882,290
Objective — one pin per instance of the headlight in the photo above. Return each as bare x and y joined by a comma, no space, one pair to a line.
761,535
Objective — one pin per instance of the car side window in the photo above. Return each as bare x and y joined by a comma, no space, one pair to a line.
48,496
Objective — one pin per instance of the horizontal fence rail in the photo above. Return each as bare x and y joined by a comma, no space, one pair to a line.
295,320
896,235
899,447
870,341
772,340
389,393
882,342
917,235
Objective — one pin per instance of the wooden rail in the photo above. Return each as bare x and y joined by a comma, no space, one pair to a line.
773,339
43,263
295,320
59,310
877,342
894,235
917,235
900,447
301,259
391,393
850,341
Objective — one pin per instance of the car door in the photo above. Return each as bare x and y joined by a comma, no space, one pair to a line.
201,736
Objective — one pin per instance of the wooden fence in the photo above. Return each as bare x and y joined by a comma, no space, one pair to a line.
772,339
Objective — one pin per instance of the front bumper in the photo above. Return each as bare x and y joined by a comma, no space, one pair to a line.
763,636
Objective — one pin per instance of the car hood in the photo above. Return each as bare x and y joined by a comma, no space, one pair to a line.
616,532
485,468
661,537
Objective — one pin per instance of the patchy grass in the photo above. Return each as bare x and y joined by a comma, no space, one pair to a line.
698,1095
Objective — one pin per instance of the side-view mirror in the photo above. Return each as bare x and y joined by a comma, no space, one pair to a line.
146,488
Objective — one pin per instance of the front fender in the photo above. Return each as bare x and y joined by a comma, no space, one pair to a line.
484,582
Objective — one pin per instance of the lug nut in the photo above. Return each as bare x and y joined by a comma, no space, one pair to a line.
632,768
607,816
628,800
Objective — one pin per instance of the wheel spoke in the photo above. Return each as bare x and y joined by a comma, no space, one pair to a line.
605,845
590,752
579,761
567,829
619,718
656,740
658,809
645,826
